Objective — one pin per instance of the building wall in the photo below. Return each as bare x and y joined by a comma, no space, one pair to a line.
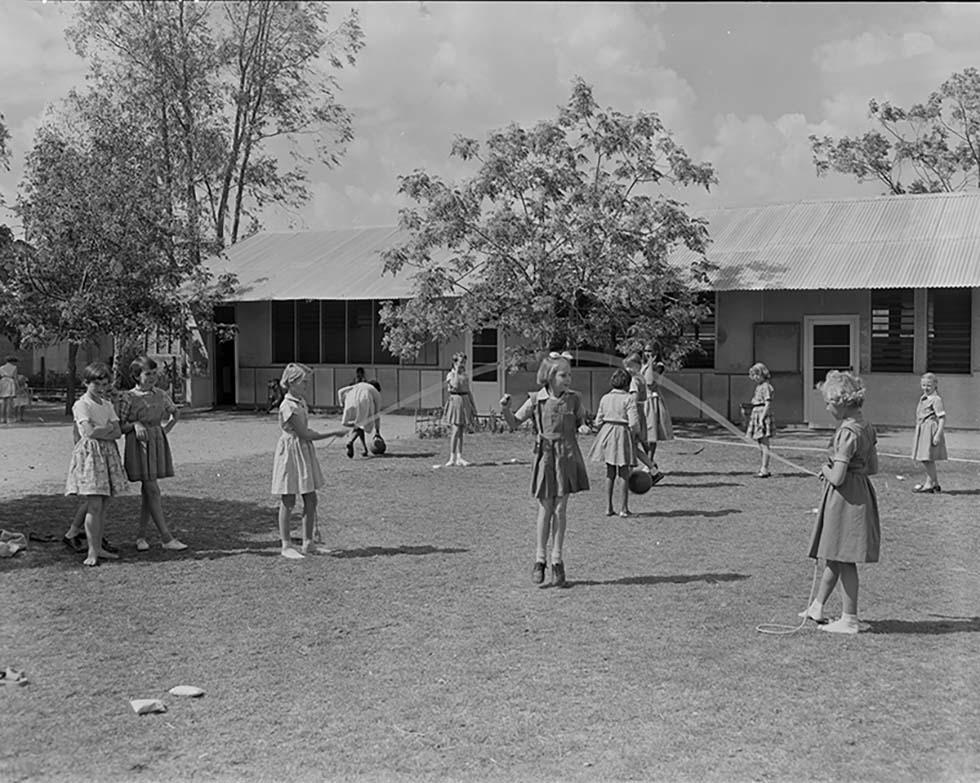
702,394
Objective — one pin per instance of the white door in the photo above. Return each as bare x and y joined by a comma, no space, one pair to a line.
486,371
830,342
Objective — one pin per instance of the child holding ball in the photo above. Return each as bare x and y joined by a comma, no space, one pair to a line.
559,469
847,531
618,421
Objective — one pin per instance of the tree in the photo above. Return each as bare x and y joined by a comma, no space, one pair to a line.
939,141
558,238
217,82
103,255
4,144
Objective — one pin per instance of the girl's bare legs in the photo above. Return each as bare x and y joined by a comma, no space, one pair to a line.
848,576
151,507
930,467
558,529
766,455
6,406
611,473
78,520
94,527
546,510
624,475
286,503
309,522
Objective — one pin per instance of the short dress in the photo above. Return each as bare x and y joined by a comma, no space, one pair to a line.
362,405
23,397
659,425
295,468
641,395
760,420
151,460
460,408
848,528
617,419
927,415
8,380
559,468
95,467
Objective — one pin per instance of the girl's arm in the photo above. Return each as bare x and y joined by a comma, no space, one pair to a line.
633,416
937,406
514,420
845,445
108,431
305,433
174,416
767,400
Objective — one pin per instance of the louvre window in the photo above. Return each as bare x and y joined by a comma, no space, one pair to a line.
950,316
892,330
330,331
704,333
485,355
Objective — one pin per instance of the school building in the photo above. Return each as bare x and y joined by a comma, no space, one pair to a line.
889,286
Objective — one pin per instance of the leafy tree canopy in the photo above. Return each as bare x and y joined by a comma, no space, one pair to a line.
4,144
561,238
932,147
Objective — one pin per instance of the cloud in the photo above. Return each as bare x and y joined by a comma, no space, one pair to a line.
871,49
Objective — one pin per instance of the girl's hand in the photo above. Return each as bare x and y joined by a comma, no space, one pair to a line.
505,401
141,432
935,439
585,429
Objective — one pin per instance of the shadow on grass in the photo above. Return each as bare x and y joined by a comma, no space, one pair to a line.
388,551
211,527
677,579
405,455
961,492
743,473
702,484
721,512
928,627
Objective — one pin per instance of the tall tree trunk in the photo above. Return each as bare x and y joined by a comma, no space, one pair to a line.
118,347
72,371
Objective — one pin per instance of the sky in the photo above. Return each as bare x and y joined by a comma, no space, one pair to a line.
740,85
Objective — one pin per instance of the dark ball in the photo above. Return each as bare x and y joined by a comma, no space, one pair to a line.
378,445
640,481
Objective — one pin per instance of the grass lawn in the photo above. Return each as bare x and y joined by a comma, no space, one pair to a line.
420,650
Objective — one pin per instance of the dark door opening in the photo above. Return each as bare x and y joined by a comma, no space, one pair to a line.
224,359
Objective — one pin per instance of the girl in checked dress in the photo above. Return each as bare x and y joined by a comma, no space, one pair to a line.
848,530
95,471
147,415
295,469
559,469
760,419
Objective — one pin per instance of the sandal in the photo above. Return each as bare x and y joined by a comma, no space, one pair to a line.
921,488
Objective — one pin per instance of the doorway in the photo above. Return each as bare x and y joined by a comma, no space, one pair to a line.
485,372
830,342
224,359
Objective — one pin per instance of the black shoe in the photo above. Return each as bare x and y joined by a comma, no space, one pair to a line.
657,477
350,451
537,575
111,548
74,543
558,575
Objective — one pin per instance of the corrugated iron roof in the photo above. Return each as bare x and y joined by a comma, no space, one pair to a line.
922,241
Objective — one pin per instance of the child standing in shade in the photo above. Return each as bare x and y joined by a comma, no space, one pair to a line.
929,446
619,423
460,409
96,470
147,415
295,469
760,419
848,530
22,399
559,469
8,389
